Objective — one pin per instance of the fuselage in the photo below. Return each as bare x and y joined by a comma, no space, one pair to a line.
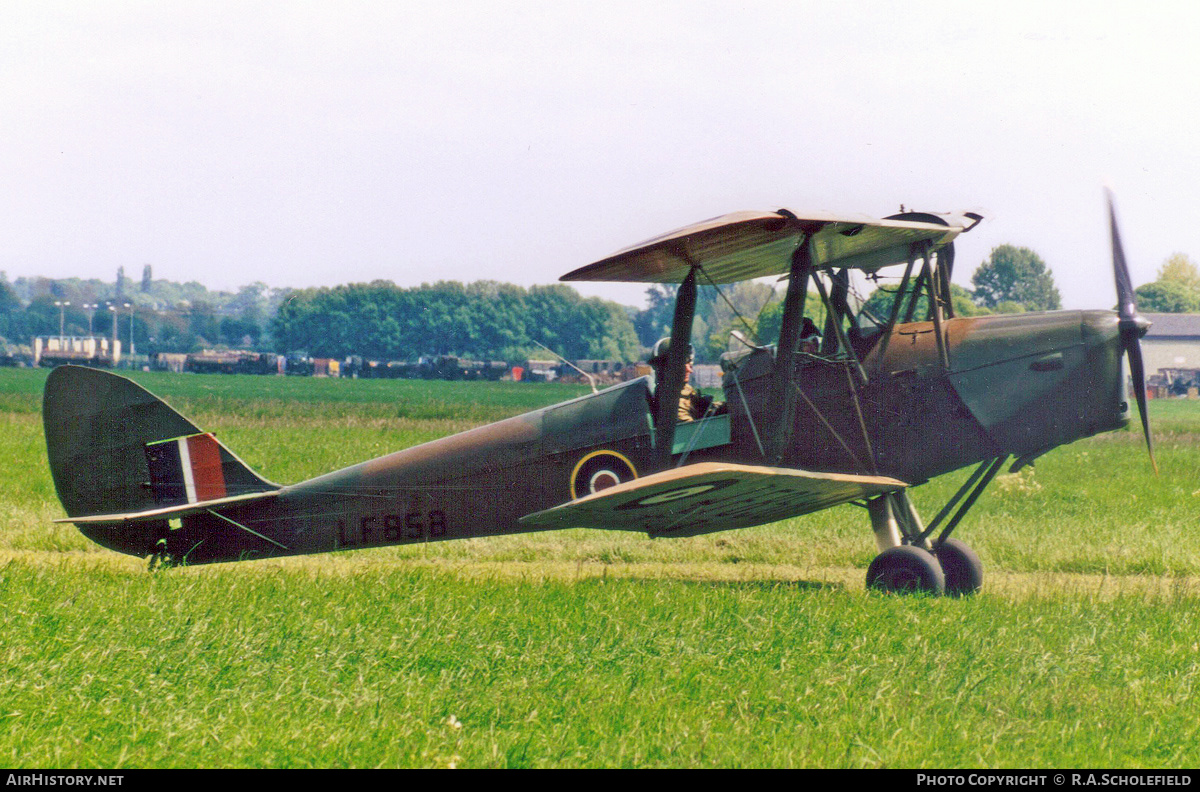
997,385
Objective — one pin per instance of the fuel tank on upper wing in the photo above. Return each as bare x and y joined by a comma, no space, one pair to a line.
1036,381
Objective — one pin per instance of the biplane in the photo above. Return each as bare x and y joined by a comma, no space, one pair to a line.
884,403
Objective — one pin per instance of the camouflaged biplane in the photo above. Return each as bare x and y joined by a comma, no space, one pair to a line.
884,403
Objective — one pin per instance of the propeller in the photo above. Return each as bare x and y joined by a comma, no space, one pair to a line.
1130,325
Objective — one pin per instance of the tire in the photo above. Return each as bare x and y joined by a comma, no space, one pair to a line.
962,568
906,570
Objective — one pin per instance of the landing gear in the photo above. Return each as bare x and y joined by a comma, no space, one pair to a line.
963,569
906,569
909,561
160,558
952,569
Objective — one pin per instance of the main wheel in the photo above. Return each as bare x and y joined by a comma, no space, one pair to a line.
963,569
906,569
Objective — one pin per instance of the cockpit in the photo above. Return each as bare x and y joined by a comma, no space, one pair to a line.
820,251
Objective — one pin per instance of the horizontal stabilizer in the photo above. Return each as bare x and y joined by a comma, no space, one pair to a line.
168,512
710,496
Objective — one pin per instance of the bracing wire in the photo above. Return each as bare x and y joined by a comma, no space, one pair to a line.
736,312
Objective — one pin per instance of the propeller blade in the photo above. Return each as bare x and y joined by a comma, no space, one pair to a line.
1126,302
1133,346
1132,327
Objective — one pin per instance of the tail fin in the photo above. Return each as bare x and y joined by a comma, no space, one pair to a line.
98,426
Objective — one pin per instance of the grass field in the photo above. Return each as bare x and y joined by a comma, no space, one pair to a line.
750,648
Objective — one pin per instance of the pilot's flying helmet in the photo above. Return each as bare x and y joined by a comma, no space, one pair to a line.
663,348
808,330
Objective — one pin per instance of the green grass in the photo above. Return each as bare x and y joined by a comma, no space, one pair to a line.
585,648
400,666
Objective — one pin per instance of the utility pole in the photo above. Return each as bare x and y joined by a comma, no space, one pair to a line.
113,352
62,309
130,307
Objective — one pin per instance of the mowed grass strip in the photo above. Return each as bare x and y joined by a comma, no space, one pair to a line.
589,648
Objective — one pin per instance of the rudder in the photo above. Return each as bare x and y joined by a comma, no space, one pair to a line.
97,428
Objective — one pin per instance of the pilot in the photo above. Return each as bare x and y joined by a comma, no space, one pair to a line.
692,403
810,337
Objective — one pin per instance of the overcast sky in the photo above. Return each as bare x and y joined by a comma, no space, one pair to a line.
306,144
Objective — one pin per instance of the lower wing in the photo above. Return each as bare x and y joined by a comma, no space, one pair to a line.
710,496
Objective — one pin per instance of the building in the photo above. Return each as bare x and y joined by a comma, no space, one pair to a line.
83,351
1173,342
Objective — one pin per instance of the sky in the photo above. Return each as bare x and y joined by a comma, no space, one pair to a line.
317,143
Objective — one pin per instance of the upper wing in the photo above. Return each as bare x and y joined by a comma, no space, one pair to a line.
710,496
746,245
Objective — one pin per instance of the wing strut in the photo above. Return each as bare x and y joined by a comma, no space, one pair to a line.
833,318
936,297
894,314
666,393
789,338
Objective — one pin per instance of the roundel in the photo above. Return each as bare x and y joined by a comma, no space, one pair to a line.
600,470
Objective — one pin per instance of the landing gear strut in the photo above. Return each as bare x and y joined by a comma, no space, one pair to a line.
908,561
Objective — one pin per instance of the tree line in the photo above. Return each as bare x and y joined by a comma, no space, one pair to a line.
379,320
486,320
161,315
482,320
1176,289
